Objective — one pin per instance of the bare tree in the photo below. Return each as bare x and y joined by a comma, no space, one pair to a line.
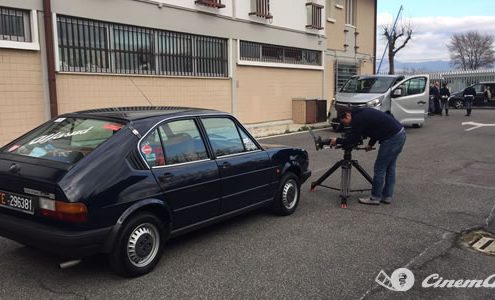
397,39
471,50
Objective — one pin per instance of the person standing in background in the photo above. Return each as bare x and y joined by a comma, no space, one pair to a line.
444,99
434,106
469,94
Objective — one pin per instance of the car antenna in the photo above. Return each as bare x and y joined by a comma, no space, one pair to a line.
141,91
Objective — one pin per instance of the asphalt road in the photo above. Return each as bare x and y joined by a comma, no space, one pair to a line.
445,187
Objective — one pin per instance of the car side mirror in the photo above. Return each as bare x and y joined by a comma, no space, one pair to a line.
397,93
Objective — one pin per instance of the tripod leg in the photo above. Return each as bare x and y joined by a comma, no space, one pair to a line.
362,171
327,173
345,184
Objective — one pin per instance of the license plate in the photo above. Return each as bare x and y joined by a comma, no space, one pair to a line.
17,202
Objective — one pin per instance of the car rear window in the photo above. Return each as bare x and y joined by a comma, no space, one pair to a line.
65,139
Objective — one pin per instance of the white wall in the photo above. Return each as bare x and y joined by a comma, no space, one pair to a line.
291,14
286,13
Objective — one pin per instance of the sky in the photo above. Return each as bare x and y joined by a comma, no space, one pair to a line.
433,23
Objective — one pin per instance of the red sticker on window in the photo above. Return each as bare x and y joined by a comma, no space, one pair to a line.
146,149
113,126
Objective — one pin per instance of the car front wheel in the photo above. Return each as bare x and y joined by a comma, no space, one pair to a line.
139,246
288,194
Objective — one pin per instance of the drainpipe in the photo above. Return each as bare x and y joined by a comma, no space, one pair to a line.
50,57
374,40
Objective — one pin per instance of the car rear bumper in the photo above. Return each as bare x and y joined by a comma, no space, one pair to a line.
52,239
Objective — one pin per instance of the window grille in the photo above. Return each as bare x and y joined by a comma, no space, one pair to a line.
251,51
210,3
261,8
314,12
15,25
100,47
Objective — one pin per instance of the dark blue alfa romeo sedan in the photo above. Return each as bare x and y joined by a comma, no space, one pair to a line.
121,181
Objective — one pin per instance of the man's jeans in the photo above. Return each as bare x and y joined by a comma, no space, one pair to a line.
384,170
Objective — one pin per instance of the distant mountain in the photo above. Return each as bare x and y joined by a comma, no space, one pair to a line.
418,67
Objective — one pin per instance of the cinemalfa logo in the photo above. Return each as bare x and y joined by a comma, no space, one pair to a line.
401,280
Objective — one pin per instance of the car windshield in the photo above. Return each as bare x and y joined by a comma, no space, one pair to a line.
368,85
64,139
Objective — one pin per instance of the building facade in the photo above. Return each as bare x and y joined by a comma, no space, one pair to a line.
247,57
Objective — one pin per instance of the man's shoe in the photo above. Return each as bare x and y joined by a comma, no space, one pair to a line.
386,200
369,201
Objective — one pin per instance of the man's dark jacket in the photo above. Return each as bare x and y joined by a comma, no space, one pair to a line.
372,123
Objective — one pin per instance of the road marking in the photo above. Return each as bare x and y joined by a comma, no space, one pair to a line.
476,125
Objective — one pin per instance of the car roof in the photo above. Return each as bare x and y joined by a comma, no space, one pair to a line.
142,112
378,76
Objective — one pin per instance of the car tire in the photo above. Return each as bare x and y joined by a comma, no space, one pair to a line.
417,125
458,104
139,246
288,194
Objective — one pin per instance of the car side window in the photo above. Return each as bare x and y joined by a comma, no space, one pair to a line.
413,86
182,142
224,136
152,150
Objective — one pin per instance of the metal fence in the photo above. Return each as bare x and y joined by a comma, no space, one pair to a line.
458,80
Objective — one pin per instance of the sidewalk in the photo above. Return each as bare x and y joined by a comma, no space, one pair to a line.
280,127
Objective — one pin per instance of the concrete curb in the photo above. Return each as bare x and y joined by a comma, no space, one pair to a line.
280,127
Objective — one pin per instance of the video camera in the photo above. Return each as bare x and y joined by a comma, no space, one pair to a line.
344,132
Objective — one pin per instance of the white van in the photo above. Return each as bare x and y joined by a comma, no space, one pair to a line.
405,98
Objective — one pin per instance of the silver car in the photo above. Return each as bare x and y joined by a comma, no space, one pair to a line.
405,99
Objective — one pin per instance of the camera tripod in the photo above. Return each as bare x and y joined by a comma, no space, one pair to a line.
345,165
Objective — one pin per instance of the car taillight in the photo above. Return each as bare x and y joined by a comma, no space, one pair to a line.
70,212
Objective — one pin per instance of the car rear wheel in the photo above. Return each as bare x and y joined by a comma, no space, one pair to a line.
458,104
139,246
288,194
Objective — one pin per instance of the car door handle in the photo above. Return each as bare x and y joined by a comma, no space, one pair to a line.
226,165
165,177
421,102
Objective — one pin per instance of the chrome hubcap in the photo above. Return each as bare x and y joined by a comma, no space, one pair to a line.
143,244
289,194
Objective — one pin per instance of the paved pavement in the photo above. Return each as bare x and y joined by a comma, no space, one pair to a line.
445,187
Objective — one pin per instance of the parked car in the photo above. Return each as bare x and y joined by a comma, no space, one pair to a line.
484,95
122,181
404,98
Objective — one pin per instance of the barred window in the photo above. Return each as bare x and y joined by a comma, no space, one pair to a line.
175,53
251,51
133,50
83,45
261,8
100,47
314,12
15,25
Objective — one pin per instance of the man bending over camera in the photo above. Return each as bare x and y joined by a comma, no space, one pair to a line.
381,127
